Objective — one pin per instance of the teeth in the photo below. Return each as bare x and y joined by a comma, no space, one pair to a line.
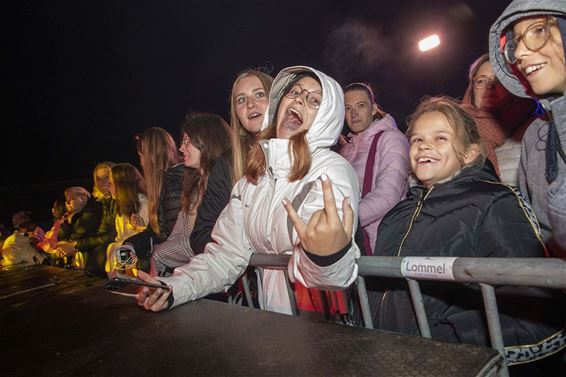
295,113
426,159
530,69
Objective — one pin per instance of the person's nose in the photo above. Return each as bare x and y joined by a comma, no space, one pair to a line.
424,145
521,50
250,103
302,98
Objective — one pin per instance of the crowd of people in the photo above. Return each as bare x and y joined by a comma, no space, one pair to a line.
481,177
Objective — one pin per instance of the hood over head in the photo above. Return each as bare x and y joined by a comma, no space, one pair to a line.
329,120
516,10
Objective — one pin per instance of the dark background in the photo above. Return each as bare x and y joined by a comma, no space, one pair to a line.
80,77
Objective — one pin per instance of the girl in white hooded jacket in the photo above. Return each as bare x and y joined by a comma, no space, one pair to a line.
291,201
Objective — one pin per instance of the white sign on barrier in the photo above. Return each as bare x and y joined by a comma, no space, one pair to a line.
428,267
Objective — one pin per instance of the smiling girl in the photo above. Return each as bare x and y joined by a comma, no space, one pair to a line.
527,52
458,208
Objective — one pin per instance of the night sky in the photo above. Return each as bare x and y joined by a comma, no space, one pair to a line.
80,77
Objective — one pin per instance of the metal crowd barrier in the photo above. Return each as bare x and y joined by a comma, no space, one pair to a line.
487,272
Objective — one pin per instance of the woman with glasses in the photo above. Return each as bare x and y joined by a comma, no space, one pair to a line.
284,204
204,137
501,118
163,175
527,51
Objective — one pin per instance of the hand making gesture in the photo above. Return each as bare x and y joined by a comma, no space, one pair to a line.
324,234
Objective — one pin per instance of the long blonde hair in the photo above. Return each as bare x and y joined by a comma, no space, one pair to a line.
158,150
242,140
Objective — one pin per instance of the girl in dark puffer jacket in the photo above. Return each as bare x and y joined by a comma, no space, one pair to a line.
459,208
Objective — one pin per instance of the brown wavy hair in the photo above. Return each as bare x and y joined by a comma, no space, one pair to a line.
462,123
128,183
242,140
159,152
210,134
256,164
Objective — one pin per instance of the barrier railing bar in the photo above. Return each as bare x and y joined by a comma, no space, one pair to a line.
534,272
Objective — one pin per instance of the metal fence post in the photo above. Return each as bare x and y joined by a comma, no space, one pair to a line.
364,302
248,293
493,324
417,298
291,293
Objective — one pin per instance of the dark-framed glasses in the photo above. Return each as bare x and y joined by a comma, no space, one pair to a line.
534,38
481,82
314,98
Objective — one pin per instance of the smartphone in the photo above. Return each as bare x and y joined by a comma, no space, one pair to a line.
122,285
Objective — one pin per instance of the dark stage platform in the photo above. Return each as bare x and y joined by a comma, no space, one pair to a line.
57,322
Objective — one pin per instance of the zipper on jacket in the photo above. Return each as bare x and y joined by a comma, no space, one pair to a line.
415,215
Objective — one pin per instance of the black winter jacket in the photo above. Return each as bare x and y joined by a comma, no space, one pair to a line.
472,215
106,232
84,225
215,199
167,211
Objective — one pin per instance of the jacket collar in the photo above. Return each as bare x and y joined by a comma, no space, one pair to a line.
277,157
378,125
486,172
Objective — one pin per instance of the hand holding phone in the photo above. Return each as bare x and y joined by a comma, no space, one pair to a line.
130,286
153,299
117,284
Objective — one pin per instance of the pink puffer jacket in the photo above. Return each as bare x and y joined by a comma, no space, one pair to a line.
390,170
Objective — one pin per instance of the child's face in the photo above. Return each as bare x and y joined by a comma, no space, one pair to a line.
76,202
545,69
433,149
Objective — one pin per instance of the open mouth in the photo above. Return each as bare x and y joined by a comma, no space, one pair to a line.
293,120
426,160
254,115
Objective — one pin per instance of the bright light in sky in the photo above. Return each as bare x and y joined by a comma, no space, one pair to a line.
429,43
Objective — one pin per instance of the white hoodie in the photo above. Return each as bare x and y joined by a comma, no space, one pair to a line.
255,220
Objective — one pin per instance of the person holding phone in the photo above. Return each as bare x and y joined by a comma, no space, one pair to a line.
293,185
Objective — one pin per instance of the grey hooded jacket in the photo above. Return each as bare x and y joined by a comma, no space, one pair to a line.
548,201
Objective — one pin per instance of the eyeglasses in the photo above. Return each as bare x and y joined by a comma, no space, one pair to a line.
534,38
186,141
481,82
314,98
